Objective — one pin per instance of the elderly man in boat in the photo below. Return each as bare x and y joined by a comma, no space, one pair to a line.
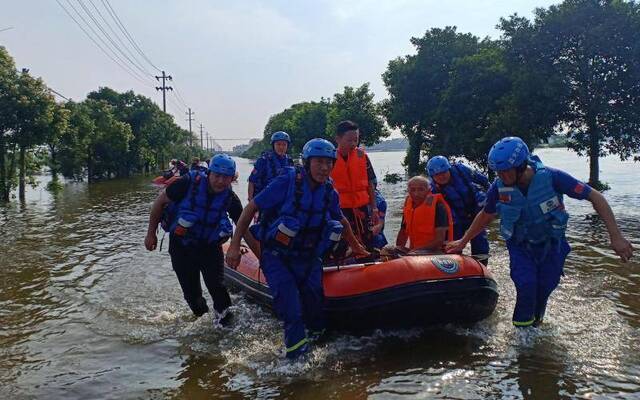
426,219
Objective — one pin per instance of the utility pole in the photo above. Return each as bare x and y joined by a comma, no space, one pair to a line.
190,114
201,144
164,89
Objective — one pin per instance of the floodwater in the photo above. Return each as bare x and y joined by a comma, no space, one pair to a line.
86,312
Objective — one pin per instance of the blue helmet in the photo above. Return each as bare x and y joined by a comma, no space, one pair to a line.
222,164
508,152
318,148
280,135
437,165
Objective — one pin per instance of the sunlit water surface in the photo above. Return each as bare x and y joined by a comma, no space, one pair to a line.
87,312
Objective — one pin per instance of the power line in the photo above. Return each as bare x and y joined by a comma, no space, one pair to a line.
93,40
114,44
179,96
133,58
114,15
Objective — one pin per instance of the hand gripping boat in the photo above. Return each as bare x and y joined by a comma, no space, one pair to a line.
410,291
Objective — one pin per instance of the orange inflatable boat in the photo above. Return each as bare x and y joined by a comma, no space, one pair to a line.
409,291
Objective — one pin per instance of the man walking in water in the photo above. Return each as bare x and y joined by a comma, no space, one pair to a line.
197,208
528,197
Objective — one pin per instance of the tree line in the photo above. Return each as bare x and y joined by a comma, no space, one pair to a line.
574,69
107,135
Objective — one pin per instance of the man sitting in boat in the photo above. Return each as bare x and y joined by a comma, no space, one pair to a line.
426,218
301,221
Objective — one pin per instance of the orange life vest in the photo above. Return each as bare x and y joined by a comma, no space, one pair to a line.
350,179
420,222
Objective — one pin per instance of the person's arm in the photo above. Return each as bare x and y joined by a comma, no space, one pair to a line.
357,247
233,252
619,244
151,240
375,218
401,239
250,191
480,222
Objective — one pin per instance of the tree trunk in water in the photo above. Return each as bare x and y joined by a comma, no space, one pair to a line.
4,187
594,161
23,171
89,166
413,153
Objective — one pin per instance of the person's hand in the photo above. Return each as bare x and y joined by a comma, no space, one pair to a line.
233,256
455,247
359,251
622,247
151,241
375,217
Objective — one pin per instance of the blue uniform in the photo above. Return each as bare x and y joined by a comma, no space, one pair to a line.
197,251
379,240
533,222
266,168
465,194
294,271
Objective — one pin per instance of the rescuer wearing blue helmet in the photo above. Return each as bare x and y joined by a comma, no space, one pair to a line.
195,210
301,223
270,163
464,189
528,196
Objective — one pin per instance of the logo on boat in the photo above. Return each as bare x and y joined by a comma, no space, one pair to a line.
446,265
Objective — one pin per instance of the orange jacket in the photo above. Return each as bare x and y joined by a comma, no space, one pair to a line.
350,179
420,222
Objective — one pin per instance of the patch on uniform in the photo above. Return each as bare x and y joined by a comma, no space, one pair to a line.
429,200
446,265
505,198
550,204
579,188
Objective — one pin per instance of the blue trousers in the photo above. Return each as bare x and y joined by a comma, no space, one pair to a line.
479,244
535,277
296,287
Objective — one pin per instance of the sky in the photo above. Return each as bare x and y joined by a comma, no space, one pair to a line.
234,63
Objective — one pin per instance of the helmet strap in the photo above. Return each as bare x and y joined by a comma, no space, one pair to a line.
520,170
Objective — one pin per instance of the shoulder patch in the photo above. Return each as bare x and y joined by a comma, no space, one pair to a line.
579,188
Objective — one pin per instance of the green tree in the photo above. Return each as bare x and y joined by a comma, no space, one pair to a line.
308,120
54,133
8,105
356,104
73,149
492,94
591,46
416,84
34,115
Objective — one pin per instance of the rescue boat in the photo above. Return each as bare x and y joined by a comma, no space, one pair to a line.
408,291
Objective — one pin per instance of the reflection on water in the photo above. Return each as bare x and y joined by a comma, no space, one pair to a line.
86,312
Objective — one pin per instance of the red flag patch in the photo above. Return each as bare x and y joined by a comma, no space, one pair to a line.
579,188
505,198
